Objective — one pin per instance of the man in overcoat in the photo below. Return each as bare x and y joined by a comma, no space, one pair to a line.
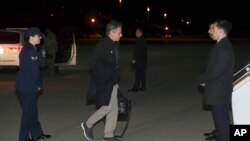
218,78
139,61
104,83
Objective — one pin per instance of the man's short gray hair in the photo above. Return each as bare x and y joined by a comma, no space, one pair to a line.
112,25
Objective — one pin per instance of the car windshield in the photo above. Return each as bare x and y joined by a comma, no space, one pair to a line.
9,37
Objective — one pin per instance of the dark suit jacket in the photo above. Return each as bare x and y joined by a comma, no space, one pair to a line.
28,77
105,71
219,74
140,54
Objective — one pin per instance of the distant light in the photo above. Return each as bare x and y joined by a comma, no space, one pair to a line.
166,28
93,20
52,14
165,14
120,1
187,22
148,9
168,35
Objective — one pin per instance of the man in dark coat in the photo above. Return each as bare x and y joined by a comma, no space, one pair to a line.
211,135
218,78
28,85
104,83
139,62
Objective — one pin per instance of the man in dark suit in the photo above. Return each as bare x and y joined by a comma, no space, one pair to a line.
104,85
211,135
139,62
28,85
218,78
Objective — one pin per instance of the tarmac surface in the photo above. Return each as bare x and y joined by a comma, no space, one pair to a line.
170,110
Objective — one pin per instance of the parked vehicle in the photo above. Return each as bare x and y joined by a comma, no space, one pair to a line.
12,41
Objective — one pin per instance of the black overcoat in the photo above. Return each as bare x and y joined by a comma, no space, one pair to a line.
140,54
105,71
219,74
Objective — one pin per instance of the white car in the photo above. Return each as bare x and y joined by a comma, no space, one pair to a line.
12,41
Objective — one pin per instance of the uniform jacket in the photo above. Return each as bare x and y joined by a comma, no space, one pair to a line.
28,77
140,54
105,71
219,74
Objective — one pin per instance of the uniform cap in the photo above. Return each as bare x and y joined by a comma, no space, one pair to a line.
33,31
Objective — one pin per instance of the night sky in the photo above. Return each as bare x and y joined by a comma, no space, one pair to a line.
60,13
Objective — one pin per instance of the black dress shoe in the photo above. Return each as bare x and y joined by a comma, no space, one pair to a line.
42,137
209,134
133,90
35,139
142,89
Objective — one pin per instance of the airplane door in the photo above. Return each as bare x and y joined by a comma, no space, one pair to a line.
66,54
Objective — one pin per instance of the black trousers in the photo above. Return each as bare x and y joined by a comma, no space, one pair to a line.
222,121
30,124
140,79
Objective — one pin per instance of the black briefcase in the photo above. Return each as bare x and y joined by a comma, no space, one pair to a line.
124,111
